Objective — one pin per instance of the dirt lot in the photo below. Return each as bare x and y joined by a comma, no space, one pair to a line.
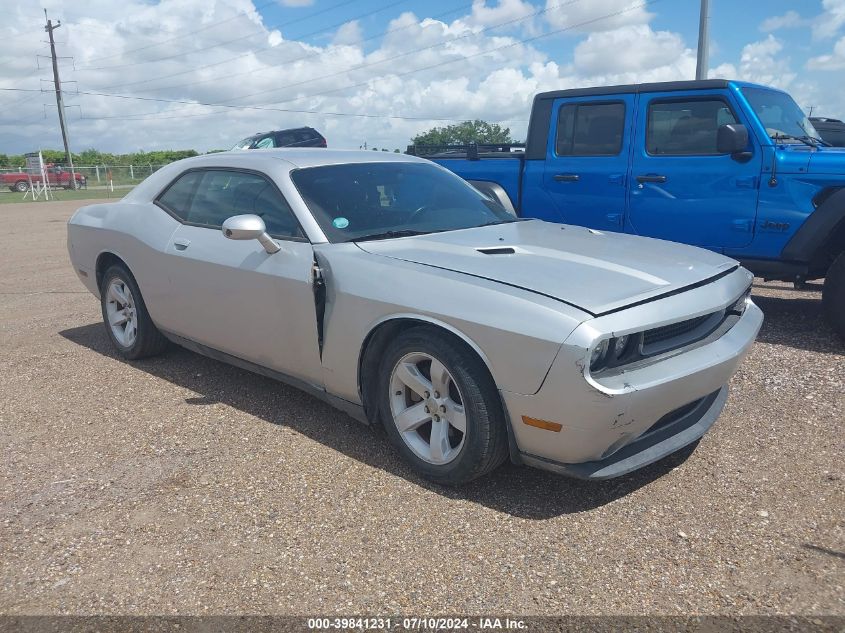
181,485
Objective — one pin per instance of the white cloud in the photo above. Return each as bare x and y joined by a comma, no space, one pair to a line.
830,61
760,62
634,48
595,15
831,20
296,3
504,11
788,20
349,34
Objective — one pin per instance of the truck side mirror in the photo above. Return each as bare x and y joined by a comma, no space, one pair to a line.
732,139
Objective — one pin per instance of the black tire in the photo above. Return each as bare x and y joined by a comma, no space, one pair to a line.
833,295
485,442
21,186
148,340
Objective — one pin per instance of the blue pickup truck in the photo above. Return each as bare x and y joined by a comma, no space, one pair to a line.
725,165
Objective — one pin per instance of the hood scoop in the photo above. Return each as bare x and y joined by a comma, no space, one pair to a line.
497,250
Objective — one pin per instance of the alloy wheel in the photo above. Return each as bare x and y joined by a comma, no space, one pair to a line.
121,313
427,408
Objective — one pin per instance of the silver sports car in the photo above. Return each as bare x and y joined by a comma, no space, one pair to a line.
391,288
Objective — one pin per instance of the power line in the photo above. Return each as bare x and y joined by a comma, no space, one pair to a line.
466,57
417,50
244,37
205,28
262,108
349,114
451,61
263,48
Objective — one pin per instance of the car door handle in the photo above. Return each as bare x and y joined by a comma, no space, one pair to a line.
567,177
181,244
651,178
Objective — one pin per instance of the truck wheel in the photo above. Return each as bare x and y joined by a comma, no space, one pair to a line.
440,407
833,295
21,186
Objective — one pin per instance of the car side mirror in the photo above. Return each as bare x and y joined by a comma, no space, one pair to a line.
249,227
732,139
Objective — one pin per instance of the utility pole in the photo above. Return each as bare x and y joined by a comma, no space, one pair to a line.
59,101
703,41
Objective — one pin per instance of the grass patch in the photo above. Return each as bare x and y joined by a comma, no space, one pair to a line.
63,194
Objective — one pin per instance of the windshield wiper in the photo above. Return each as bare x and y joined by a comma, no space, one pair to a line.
495,222
386,235
785,137
818,141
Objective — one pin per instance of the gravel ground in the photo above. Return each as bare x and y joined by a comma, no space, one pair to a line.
180,485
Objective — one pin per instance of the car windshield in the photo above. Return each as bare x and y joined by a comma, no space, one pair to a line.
780,115
360,201
245,144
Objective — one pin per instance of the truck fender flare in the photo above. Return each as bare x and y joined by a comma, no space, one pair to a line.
818,228
496,191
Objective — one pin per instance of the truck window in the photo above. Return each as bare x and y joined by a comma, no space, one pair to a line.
590,129
685,128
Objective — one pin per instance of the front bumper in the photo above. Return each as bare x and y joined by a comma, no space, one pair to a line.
606,426
664,438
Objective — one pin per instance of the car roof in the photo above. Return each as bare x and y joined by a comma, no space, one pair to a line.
263,160
287,129
296,157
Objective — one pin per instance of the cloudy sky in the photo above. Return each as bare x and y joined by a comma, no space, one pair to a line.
173,74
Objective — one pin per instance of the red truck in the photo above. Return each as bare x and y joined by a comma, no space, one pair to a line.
56,176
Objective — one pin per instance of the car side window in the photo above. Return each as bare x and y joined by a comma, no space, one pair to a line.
177,198
686,128
285,139
590,129
224,193
264,143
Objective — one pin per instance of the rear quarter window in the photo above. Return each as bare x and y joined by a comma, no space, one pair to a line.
177,197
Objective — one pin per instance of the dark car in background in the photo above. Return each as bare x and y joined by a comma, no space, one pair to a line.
831,130
294,137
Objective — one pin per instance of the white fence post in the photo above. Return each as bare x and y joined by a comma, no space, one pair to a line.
97,168
131,172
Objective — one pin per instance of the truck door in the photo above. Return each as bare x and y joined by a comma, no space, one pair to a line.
681,188
586,166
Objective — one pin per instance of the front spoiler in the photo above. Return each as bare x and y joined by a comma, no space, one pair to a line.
648,448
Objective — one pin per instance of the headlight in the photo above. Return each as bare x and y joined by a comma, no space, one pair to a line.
599,355
620,346
614,352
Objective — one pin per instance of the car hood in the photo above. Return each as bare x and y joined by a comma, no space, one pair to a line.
828,160
797,158
594,271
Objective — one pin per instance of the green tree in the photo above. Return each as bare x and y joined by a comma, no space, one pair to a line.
463,133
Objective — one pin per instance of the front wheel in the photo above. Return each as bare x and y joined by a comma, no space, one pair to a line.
833,295
125,315
21,186
440,407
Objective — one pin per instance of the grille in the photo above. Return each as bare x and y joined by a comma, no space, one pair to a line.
673,330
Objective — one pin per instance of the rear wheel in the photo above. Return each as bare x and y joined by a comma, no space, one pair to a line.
441,408
125,315
833,295
21,186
